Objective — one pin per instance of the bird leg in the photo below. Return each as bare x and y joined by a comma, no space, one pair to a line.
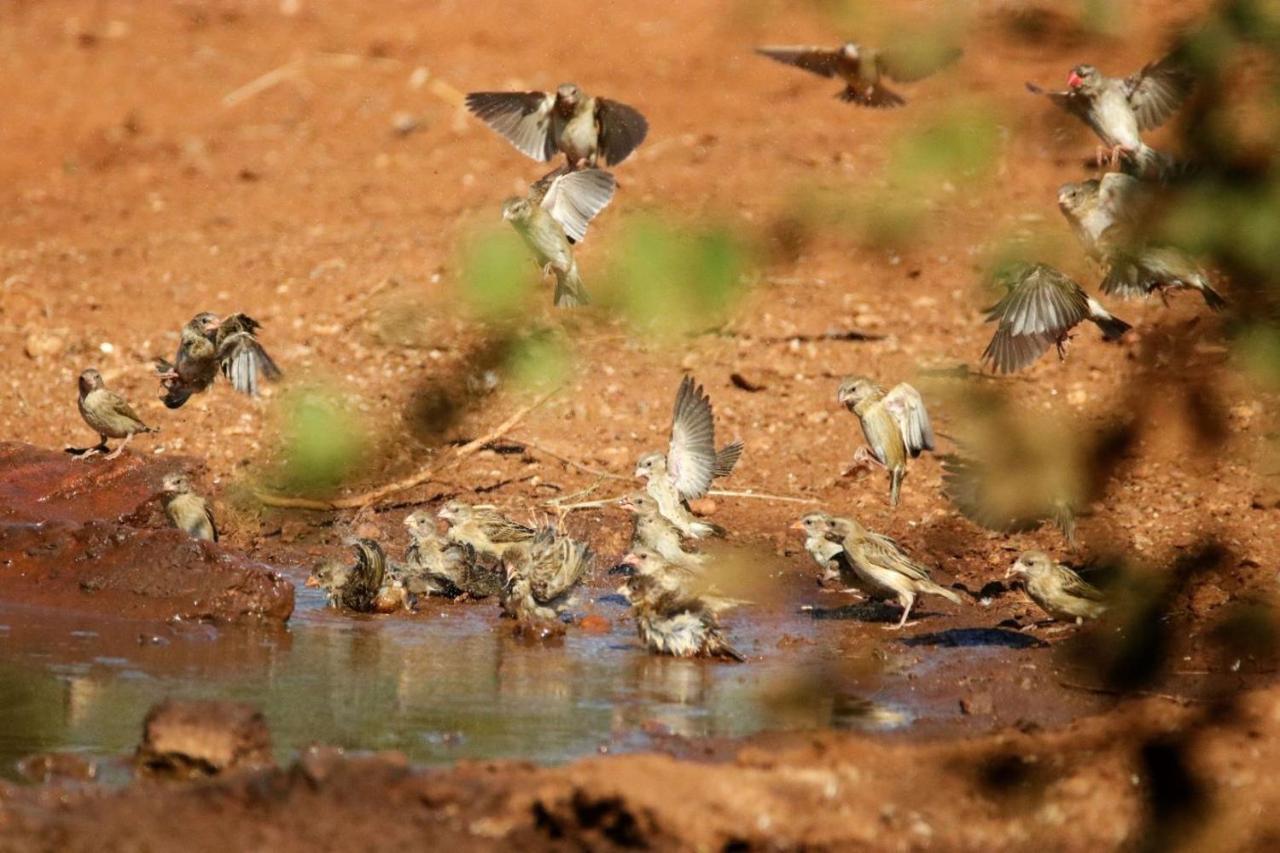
906,599
1062,347
113,454
1100,156
863,460
94,451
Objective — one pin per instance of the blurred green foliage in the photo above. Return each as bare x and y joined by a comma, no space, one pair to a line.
538,361
496,276
321,442
672,280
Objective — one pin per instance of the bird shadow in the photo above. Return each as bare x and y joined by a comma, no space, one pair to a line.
969,637
866,611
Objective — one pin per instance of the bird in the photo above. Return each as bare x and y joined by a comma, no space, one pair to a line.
485,529
656,533
555,215
691,462
984,496
108,414
863,68
542,579
584,128
879,561
672,621
187,510
896,425
208,345
433,566
1118,109
1039,310
357,587
1107,216
1059,591
830,556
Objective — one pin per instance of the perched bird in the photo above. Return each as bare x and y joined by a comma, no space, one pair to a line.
884,568
433,566
830,556
1118,109
554,216
485,529
568,120
1107,216
1039,311
895,425
1059,591
670,620
542,578
187,510
107,414
207,346
862,68
691,461
656,533
358,587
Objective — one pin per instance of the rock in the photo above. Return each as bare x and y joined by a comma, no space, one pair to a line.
44,342
594,624
198,738
978,703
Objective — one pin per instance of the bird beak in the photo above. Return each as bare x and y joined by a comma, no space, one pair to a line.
626,503
1015,569
1074,80
798,525
623,569
312,582
444,514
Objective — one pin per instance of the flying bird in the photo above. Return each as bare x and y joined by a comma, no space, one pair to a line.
691,462
863,69
540,124
896,425
207,346
555,215
1118,109
1058,590
1039,311
187,510
108,414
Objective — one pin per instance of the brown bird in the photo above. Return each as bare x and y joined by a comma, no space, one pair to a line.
1039,311
207,346
553,217
830,556
568,120
1118,109
862,68
107,414
685,472
433,566
485,529
358,587
895,425
1058,590
884,568
656,533
187,510
542,579
670,620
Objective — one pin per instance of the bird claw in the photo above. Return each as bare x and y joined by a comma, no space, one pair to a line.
862,462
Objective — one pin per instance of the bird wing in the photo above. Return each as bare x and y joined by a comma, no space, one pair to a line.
1157,91
905,405
244,360
909,62
120,407
691,459
1009,353
1073,584
208,513
622,129
881,551
575,198
818,60
726,459
559,569
1041,301
1075,103
524,118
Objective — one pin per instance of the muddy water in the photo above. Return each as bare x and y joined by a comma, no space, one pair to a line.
447,683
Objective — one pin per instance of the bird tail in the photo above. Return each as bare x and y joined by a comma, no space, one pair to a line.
876,96
1212,298
722,648
176,395
937,589
570,292
1112,327
1148,163
896,476
1125,279
726,459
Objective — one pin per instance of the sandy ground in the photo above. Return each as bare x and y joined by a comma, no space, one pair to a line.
151,171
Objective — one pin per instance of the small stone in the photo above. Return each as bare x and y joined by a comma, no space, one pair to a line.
195,738
43,342
977,704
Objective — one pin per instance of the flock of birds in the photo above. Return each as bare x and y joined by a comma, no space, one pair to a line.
534,571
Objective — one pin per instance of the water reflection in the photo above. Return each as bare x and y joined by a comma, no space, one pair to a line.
448,683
